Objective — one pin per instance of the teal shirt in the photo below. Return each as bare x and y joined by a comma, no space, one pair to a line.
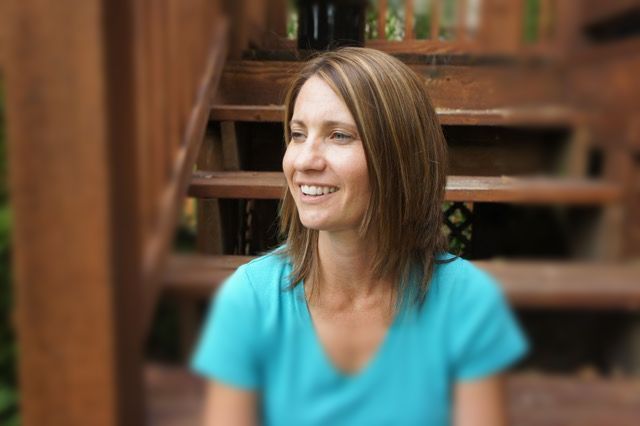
258,336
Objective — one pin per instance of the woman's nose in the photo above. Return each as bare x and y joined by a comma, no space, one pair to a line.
310,155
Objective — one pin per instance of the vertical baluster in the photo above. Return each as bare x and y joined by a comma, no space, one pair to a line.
461,27
436,10
409,33
544,22
382,19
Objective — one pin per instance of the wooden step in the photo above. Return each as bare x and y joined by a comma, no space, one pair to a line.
199,275
546,116
503,189
527,284
176,398
468,86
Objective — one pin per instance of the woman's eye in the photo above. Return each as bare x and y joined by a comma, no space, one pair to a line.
341,136
297,135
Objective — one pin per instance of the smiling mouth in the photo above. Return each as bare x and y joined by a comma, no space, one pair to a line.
317,191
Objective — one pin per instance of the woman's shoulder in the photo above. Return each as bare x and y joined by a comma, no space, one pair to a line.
260,278
462,278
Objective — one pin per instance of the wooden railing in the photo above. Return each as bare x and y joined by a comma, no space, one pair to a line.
469,26
457,26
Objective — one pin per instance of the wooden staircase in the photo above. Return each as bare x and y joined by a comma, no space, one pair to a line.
518,141
111,104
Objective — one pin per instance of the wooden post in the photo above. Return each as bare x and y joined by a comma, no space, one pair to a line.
436,11
409,33
382,19
80,352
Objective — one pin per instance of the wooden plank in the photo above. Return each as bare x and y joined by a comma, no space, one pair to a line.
544,116
409,33
74,361
436,13
461,20
527,284
198,275
473,86
535,190
382,19
177,398
505,189
501,25
568,284
230,154
253,185
537,400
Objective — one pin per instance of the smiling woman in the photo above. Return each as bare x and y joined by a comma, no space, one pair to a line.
362,317
325,163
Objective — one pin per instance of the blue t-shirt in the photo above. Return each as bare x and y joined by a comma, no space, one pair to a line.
259,336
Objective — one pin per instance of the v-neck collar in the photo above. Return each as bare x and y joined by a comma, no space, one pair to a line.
370,365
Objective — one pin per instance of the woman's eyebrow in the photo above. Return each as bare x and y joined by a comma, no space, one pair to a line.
325,123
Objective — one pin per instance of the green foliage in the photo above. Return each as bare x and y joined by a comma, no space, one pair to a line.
531,18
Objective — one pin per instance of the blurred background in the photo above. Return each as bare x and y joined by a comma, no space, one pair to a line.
140,158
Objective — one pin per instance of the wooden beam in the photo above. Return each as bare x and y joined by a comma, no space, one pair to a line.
450,86
543,116
504,189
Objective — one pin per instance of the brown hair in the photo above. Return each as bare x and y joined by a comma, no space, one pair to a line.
406,157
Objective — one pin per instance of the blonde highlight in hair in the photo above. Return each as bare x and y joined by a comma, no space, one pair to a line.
406,157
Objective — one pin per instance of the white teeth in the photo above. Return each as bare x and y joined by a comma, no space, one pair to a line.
317,190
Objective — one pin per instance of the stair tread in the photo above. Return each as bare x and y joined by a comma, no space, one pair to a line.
527,283
549,115
270,185
176,397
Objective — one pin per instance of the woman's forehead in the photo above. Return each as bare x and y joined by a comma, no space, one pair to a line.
317,102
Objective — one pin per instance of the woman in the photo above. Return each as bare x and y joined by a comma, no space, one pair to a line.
362,317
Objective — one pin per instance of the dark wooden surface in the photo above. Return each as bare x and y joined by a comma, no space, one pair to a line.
74,367
250,82
176,398
547,116
270,185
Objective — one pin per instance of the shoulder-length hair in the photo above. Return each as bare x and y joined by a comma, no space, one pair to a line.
406,157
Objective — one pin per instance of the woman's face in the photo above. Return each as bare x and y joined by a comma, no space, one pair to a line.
325,164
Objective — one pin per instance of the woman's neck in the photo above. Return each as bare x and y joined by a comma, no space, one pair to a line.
346,279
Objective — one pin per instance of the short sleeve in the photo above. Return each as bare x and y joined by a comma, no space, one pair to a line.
486,338
227,348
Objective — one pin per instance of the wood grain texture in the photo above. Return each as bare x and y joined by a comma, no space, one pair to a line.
69,369
542,116
536,190
256,82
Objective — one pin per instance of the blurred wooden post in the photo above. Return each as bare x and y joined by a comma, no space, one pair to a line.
461,15
436,11
78,328
382,19
409,33
501,25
